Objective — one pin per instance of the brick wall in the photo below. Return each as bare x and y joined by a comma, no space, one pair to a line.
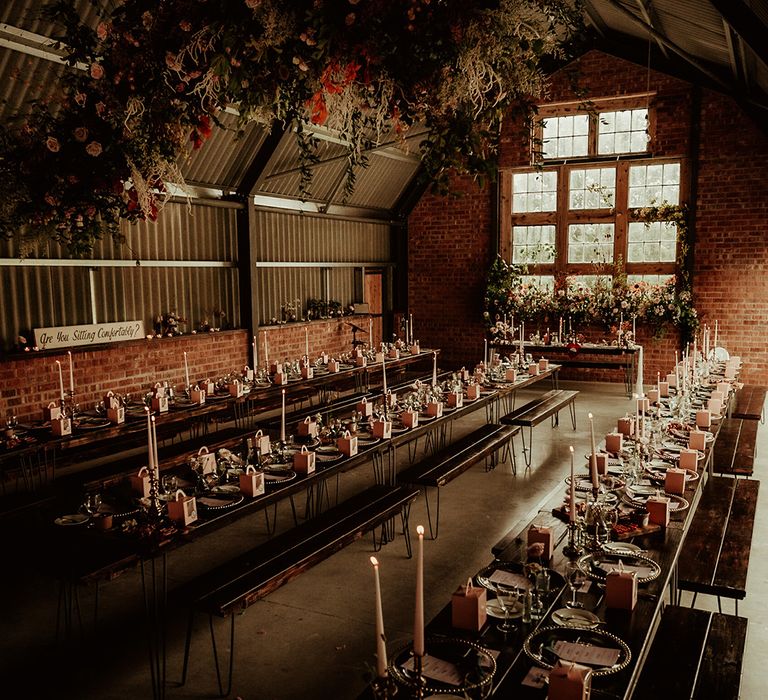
333,336
451,244
449,251
29,381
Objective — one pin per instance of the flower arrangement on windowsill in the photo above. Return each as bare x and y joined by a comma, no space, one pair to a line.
603,302
153,77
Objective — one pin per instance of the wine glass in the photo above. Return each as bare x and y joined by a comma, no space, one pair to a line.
576,579
507,597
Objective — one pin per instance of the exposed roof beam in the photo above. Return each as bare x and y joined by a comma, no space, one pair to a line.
735,55
746,24
33,44
650,16
260,160
594,18
692,60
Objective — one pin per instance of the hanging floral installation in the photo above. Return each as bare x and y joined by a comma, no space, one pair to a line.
603,301
150,80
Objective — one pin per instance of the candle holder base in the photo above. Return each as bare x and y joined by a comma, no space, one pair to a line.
384,688
574,547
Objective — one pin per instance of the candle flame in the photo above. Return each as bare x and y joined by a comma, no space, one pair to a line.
374,561
571,448
420,530
283,391
57,362
589,415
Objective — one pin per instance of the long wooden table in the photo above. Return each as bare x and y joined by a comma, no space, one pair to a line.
636,628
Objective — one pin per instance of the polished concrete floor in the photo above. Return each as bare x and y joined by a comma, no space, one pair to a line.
314,637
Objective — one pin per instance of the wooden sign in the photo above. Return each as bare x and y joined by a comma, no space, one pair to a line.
88,334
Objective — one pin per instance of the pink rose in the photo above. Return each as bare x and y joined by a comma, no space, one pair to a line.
102,30
52,144
81,134
100,108
97,71
80,98
93,149
253,4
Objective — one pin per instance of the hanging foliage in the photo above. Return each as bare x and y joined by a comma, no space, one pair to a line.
153,76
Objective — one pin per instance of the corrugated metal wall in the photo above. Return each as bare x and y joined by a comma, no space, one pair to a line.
286,237
35,296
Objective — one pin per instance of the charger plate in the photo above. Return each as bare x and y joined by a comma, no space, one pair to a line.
538,646
597,565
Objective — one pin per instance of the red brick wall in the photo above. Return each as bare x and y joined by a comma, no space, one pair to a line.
29,381
333,336
449,251
731,252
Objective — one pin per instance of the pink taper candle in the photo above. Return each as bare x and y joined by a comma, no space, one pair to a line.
418,617
593,459
381,644
61,380
71,374
282,419
572,490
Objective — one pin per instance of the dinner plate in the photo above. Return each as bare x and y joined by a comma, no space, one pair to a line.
597,565
542,644
92,423
609,498
622,547
73,519
677,504
575,617
272,479
226,488
329,457
508,574
494,609
219,501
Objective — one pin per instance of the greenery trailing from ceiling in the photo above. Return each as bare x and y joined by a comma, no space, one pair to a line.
154,76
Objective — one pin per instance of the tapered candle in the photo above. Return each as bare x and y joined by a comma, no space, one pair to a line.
155,459
71,374
677,373
306,343
266,351
282,419
407,335
485,352
384,375
61,380
634,334
410,326
572,514
434,368
254,365
593,460
637,417
370,332
658,387
418,617
716,322
621,326
186,371
150,448
381,644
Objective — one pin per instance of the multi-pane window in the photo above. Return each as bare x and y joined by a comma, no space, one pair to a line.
546,282
624,131
565,137
592,188
534,191
648,279
650,185
654,241
590,243
579,214
533,244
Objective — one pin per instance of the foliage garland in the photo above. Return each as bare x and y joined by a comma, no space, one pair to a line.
603,302
156,74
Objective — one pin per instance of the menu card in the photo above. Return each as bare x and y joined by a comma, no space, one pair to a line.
641,570
586,653
437,669
507,578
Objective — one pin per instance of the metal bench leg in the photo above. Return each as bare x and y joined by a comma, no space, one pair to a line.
527,451
433,531
693,600
223,693
187,646
271,525
736,604
719,605
572,407
413,448
404,516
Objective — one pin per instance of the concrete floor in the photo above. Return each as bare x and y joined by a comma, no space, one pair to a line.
314,637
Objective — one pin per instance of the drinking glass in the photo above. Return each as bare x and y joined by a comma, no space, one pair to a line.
507,598
576,579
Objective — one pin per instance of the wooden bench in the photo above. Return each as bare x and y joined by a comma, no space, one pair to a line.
734,450
695,654
715,556
534,412
445,465
237,584
749,403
